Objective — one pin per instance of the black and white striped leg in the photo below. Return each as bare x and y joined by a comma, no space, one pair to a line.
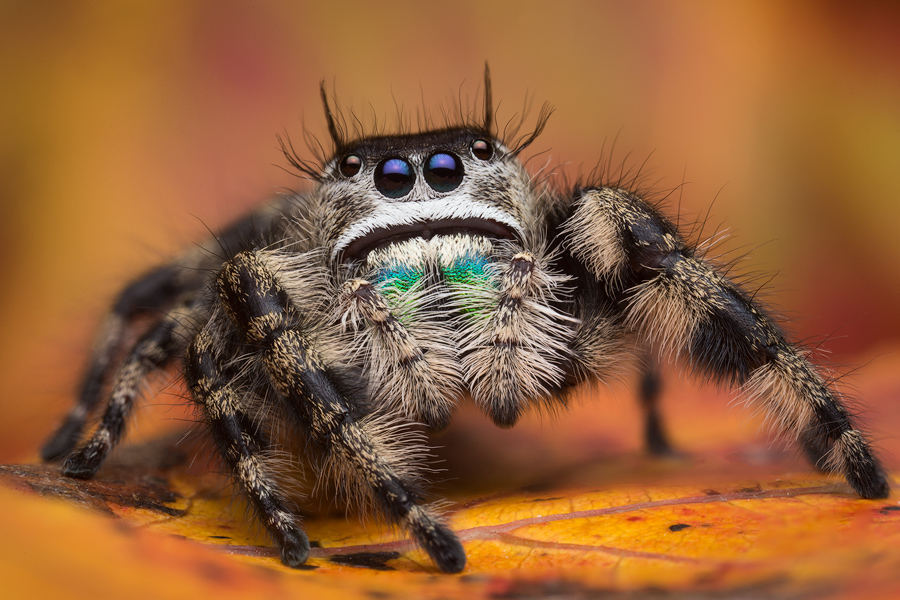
155,292
243,444
158,347
152,294
66,437
262,311
677,300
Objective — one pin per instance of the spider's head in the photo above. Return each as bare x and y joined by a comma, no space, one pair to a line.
386,189
382,189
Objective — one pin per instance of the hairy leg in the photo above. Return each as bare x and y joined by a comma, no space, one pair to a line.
261,309
242,441
674,298
420,380
153,295
165,341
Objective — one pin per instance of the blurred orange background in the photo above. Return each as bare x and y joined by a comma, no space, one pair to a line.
128,129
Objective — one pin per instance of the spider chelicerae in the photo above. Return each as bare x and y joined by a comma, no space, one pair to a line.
419,270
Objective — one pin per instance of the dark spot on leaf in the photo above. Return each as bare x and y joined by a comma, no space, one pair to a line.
219,537
885,510
678,526
544,499
367,560
148,504
711,492
314,544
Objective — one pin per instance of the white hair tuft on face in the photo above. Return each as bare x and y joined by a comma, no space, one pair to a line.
393,214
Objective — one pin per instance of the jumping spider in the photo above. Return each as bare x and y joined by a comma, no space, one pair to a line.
419,270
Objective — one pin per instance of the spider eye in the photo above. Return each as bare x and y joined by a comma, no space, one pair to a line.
482,149
443,172
394,177
350,165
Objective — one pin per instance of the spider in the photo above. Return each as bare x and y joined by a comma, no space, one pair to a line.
422,269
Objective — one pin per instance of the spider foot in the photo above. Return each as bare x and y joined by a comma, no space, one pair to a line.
440,543
294,548
83,463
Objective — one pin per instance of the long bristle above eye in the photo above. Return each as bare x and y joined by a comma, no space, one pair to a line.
347,128
311,169
543,118
488,100
336,134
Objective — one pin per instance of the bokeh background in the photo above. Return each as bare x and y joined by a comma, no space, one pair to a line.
129,128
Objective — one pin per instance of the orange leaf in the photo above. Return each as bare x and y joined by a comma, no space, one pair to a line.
742,517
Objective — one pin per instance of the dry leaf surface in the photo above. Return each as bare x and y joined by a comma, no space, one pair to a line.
736,519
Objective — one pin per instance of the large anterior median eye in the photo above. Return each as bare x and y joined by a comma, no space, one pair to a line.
394,177
443,172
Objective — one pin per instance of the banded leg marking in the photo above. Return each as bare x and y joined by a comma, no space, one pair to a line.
685,305
160,345
242,443
153,292
261,309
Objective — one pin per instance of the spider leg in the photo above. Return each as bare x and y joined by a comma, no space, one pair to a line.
518,354
262,310
153,351
154,292
655,437
673,298
422,384
242,443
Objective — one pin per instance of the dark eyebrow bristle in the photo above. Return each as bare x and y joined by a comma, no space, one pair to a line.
488,100
336,135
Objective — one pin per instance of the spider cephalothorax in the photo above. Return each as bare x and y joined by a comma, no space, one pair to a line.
422,269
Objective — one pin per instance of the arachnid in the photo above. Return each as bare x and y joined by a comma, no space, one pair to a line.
419,270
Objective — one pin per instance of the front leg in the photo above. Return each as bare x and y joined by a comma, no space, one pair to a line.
677,300
359,447
238,429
